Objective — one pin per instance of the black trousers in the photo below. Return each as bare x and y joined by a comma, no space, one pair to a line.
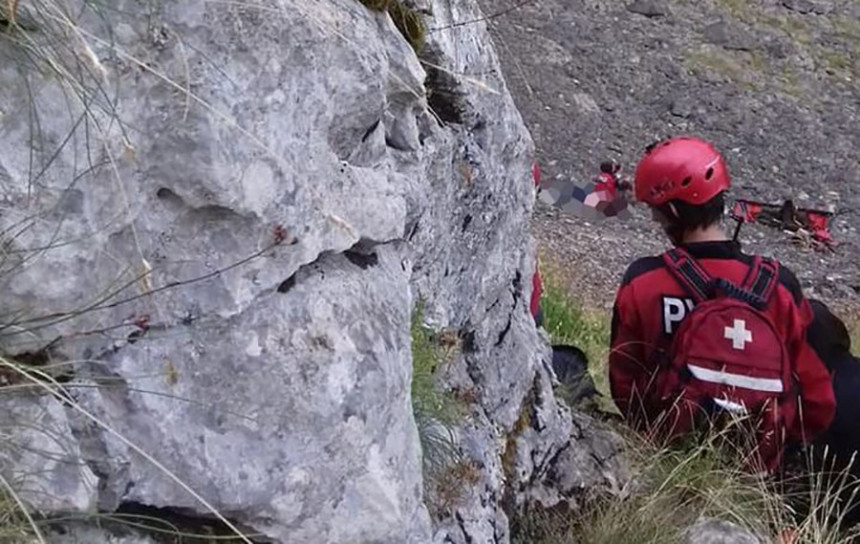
829,336
835,455
842,438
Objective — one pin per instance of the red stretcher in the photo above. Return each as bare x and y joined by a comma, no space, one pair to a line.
787,217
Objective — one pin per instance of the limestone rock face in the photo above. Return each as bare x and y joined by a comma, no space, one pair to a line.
217,221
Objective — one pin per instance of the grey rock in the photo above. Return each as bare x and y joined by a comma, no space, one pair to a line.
80,533
279,357
682,106
779,48
728,36
648,8
592,463
710,531
284,406
808,6
716,33
229,274
800,6
585,103
43,438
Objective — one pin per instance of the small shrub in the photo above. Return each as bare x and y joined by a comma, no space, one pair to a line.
409,23
449,486
376,5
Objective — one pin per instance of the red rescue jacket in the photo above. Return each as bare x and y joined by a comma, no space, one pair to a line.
606,182
537,291
650,306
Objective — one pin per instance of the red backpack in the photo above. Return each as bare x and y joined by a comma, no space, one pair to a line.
728,357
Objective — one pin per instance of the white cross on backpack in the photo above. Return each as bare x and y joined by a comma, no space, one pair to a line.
738,334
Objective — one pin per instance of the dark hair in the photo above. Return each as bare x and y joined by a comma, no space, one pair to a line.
610,167
686,217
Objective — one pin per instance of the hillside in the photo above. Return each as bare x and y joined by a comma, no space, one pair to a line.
773,84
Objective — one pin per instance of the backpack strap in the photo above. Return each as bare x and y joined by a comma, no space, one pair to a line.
689,274
762,278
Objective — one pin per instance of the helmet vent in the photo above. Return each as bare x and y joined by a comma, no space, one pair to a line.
709,173
687,181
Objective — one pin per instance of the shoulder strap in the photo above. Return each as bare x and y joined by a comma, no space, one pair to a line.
689,274
762,278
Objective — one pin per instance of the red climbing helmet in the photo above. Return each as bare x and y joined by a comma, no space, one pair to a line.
683,168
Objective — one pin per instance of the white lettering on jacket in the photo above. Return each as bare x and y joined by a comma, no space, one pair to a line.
674,311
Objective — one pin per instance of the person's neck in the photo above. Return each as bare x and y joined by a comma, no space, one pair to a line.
713,233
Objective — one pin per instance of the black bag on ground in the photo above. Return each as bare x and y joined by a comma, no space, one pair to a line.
570,365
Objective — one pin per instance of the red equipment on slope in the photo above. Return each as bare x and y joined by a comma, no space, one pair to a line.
816,223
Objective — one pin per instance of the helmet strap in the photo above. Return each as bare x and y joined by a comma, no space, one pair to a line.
673,209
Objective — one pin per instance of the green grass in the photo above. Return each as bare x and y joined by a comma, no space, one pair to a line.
752,13
567,322
436,410
679,483
14,525
752,71
837,63
745,69
775,75
792,26
431,351
675,487
739,9
697,478
847,28
835,60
